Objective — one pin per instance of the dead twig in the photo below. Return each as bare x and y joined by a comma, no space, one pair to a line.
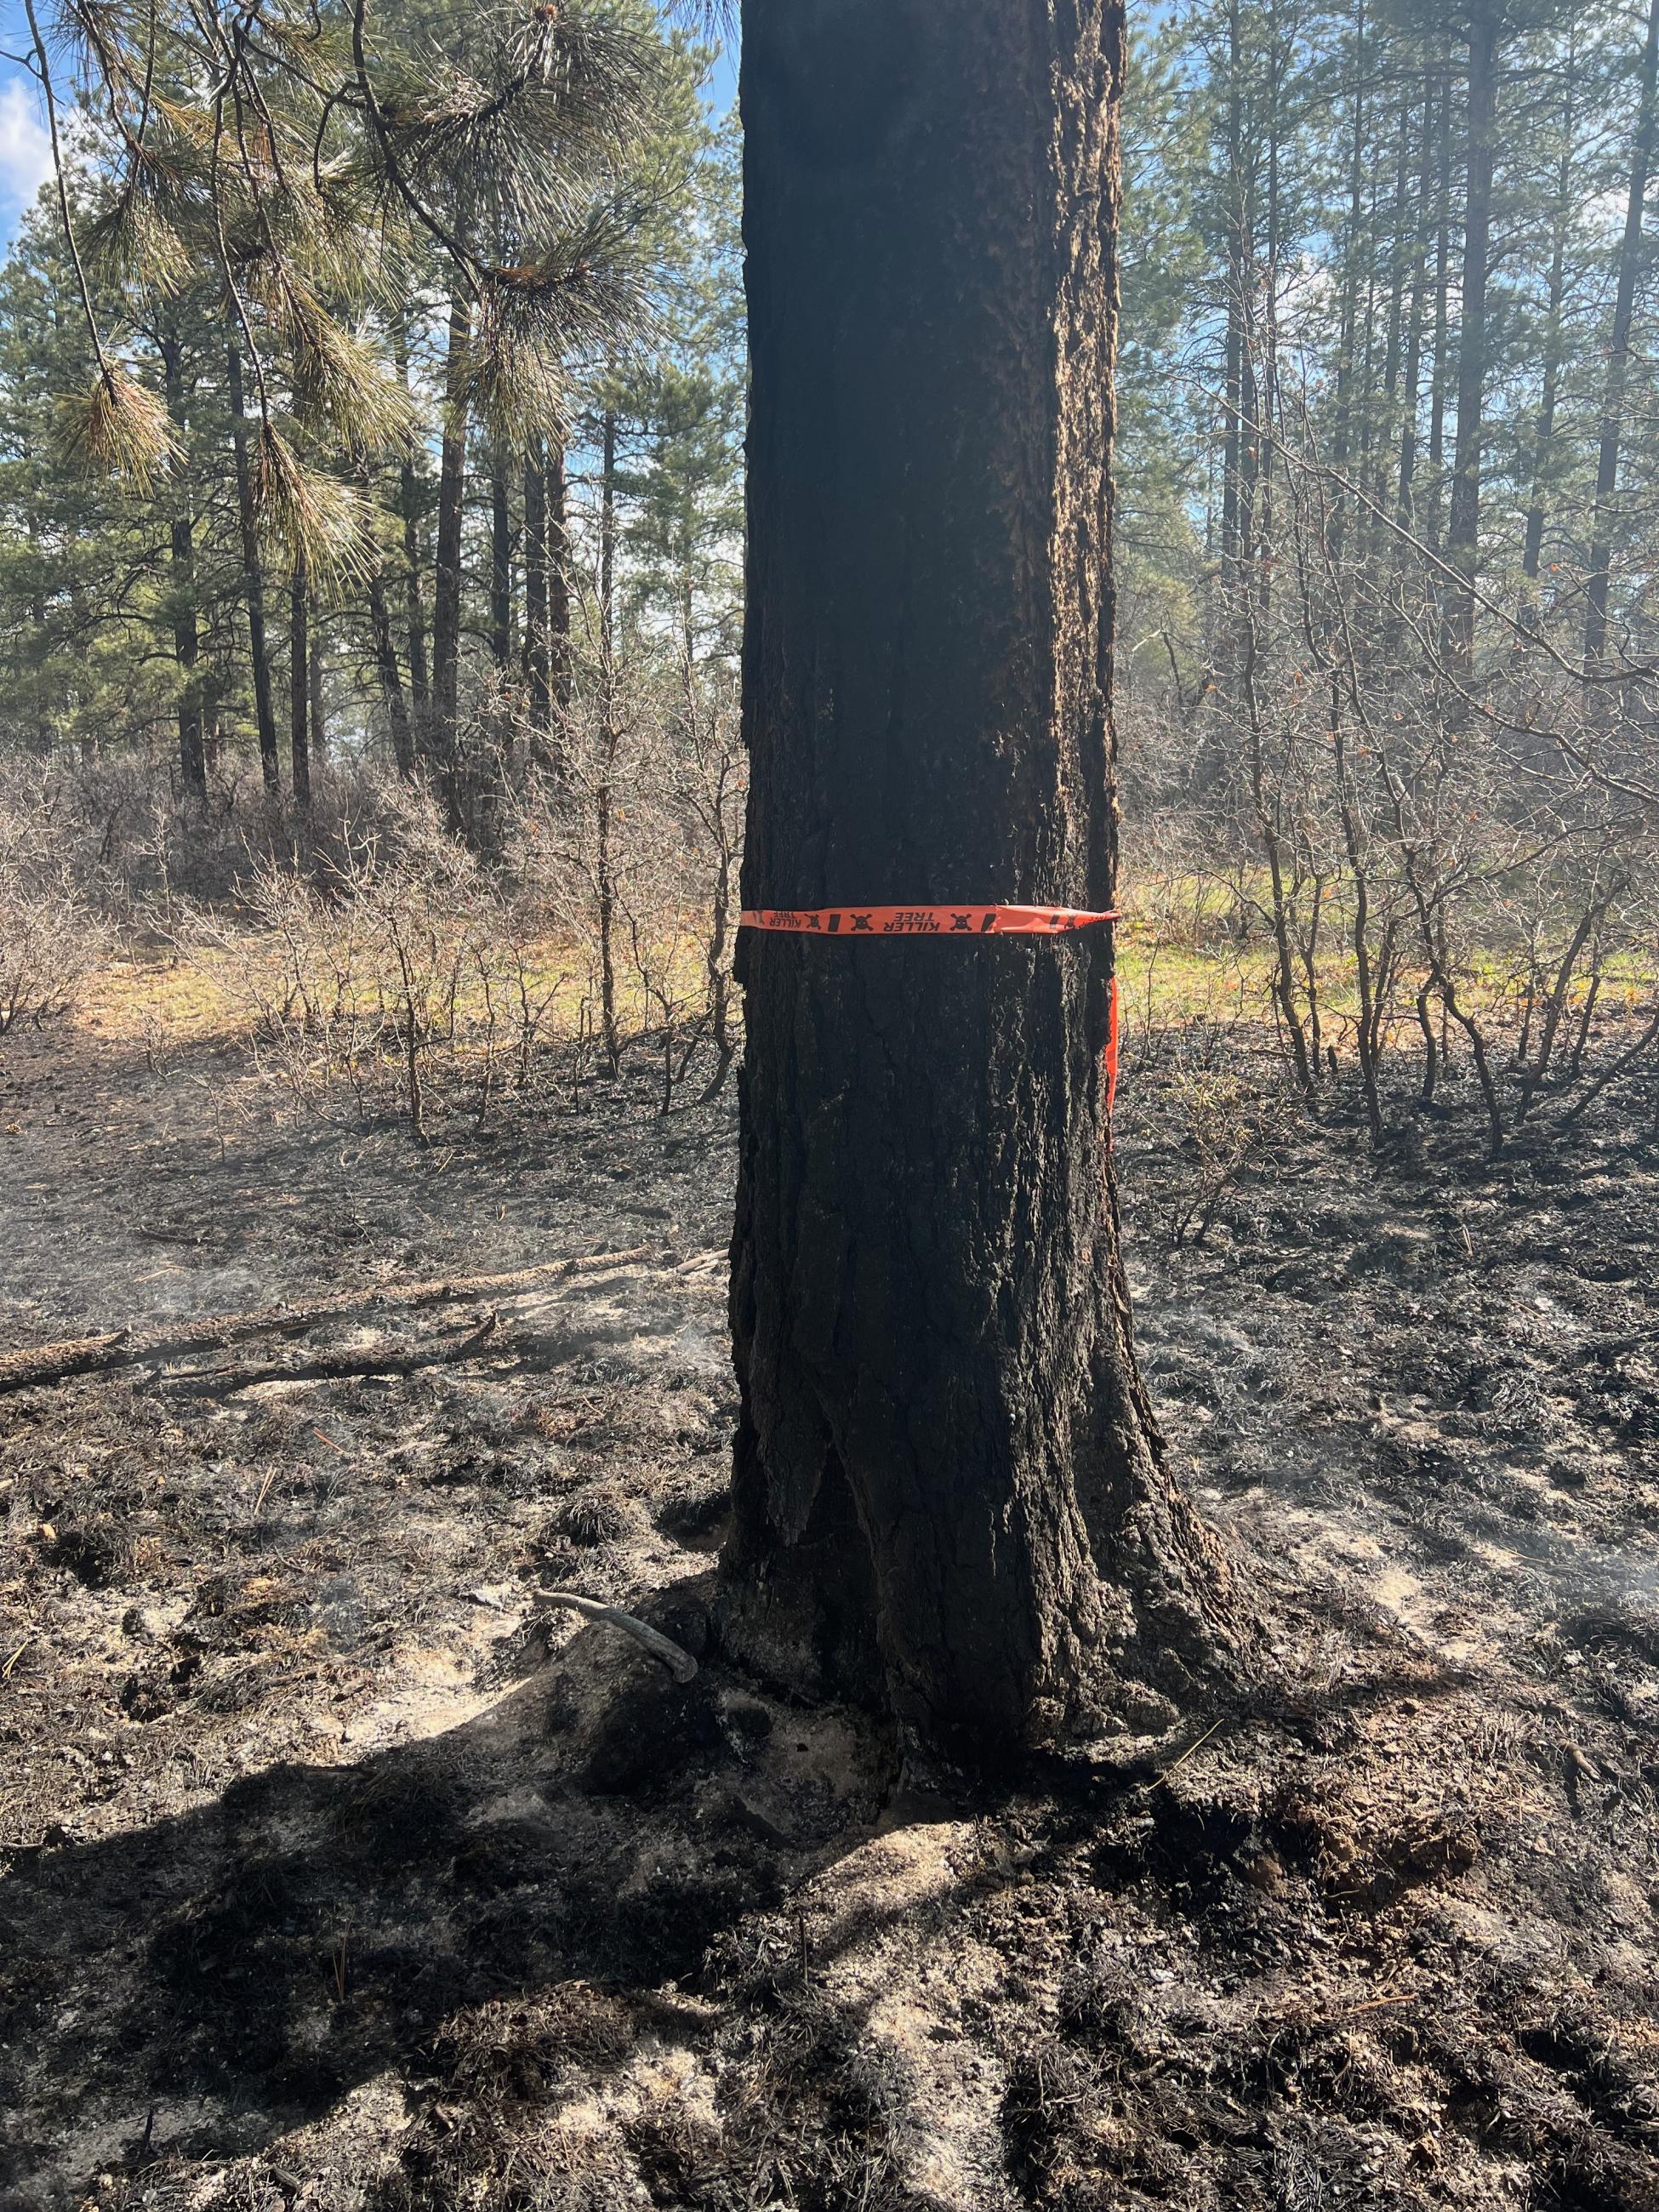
679,1662
1176,1765
1377,2004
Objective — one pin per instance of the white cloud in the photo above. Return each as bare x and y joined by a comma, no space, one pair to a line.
25,149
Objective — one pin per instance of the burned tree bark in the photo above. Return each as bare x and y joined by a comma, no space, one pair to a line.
951,1497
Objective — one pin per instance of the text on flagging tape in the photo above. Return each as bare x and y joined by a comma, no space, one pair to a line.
922,920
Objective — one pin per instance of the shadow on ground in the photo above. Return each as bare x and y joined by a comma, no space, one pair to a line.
206,1984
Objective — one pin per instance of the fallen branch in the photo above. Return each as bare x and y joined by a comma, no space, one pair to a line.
328,1367
129,1347
679,1662
337,1366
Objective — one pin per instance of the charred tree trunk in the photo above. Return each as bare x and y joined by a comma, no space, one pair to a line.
254,578
1397,264
414,598
951,1497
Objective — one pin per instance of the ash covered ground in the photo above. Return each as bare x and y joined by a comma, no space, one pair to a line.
335,1871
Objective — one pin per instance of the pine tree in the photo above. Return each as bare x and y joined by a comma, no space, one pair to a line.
950,1497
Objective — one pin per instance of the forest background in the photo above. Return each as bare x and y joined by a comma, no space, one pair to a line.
423,764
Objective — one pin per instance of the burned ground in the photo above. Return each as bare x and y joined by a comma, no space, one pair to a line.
338,1871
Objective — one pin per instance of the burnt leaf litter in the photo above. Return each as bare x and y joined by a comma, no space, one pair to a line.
336,1871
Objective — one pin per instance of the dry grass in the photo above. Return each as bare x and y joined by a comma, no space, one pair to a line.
196,1000
124,1001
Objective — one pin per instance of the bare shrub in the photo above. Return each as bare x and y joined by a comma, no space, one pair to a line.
648,836
386,946
377,972
50,936
1226,1116
1435,875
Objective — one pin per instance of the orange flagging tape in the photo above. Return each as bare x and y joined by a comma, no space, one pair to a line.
944,921
922,920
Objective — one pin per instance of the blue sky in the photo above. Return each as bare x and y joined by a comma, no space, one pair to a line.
723,85
25,153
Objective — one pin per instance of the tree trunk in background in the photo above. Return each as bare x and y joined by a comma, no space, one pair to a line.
452,491
316,663
391,676
1463,525
1613,402
43,735
181,581
1560,217
604,781
253,579
1274,241
1350,263
409,506
1441,325
1413,374
213,725
608,539
559,663
950,1493
1238,219
537,688
420,687
504,705
299,684
1399,264
501,562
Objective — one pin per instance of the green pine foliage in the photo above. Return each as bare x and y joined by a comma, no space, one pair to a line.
229,360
